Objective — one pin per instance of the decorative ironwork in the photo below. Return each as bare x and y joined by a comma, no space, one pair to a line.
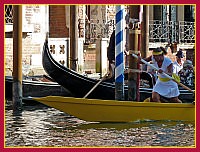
171,31
62,49
186,32
105,29
158,31
52,49
101,23
8,14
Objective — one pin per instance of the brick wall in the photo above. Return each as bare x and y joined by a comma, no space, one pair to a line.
57,22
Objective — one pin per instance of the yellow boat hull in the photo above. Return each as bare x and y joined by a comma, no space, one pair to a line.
119,111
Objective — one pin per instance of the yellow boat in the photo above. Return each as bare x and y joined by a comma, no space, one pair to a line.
119,111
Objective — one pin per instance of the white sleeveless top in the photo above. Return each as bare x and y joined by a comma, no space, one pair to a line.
177,67
167,89
165,64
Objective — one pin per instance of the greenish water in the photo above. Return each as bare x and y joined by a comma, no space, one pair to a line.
39,125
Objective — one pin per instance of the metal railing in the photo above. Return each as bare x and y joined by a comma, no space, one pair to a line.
186,32
179,32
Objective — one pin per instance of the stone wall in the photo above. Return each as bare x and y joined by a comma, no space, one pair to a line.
55,18
34,28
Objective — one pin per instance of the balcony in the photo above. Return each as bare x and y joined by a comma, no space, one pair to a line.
180,32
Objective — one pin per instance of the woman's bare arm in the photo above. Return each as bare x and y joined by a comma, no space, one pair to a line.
148,59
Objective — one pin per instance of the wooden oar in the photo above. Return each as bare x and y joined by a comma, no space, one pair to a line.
147,63
95,85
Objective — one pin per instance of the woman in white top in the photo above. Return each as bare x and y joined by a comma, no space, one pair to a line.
164,86
178,64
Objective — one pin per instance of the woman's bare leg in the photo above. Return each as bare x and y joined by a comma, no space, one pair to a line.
155,97
176,100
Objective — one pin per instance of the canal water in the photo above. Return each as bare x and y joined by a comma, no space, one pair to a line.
39,125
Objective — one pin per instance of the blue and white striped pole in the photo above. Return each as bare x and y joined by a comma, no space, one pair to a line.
119,55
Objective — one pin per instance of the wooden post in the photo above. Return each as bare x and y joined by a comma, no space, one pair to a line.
134,46
17,59
145,32
73,37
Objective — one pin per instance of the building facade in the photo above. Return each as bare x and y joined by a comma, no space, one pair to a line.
174,24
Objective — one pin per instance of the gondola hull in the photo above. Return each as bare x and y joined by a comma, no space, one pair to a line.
34,89
95,110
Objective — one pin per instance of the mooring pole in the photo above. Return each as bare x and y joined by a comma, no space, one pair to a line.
119,55
73,37
17,59
134,47
145,31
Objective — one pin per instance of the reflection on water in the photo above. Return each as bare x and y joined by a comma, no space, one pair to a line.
43,126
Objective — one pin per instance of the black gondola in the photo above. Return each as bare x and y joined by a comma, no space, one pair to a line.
79,85
34,87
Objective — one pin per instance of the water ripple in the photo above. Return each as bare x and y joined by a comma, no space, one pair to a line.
43,126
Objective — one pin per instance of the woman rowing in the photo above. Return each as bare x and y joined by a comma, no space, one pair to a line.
165,90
